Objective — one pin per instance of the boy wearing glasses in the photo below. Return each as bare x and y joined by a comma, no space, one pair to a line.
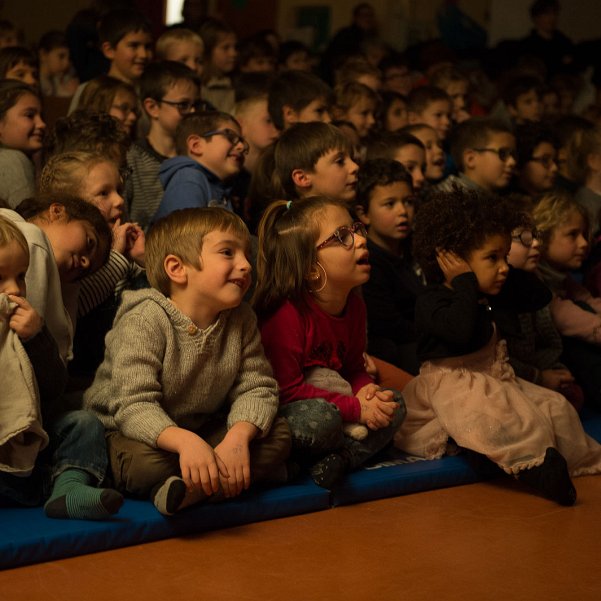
210,150
185,392
168,91
484,151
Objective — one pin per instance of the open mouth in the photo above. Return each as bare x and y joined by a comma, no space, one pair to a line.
241,283
364,260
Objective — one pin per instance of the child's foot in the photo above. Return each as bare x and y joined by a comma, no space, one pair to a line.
73,498
551,478
168,495
329,470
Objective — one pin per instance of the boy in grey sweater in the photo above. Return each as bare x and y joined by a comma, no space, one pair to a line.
185,390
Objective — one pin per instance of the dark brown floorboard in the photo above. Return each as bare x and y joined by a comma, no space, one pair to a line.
487,541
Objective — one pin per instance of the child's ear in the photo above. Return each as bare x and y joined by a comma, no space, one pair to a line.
301,179
175,269
196,145
56,212
151,106
108,50
469,159
360,212
593,162
289,115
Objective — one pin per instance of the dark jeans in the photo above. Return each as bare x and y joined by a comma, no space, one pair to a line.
76,441
316,428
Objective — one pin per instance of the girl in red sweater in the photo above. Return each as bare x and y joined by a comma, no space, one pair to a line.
313,326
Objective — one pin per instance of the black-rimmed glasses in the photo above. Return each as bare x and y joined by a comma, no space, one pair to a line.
345,234
185,107
546,160
504,153
233,137
526,237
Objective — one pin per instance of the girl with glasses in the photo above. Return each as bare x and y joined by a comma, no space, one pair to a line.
311,259
106,94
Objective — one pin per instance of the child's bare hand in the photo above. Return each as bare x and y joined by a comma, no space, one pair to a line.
556,379
136,244
201,467
377,406
120,236
451,264
25,321
236,457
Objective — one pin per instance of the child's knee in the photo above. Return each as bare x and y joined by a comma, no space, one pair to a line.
315,424
137,467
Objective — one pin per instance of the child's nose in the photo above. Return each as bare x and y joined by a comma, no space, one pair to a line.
418,178
352,166
326,118
11,286
39,123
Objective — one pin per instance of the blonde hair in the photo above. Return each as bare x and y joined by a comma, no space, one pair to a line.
552,211
65,172
288,234
347,95
177,34
9,232
581,145
182,233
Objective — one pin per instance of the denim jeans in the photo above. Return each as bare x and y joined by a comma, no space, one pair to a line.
76,441
316,428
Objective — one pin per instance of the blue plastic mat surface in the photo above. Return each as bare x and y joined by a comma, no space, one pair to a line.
27,536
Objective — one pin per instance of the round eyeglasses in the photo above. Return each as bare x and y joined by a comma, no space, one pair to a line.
504,154
345,234
233,137
526,237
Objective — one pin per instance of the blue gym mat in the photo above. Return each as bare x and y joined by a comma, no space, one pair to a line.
27,536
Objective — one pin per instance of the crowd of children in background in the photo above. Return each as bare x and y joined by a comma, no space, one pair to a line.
223,263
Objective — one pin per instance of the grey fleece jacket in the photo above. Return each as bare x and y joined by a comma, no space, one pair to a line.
160,370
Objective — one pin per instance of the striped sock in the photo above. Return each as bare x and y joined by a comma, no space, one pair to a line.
73,498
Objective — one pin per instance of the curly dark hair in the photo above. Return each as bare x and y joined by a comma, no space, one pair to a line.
459,221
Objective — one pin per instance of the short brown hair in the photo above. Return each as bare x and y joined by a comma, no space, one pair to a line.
300,147
182,233
199,124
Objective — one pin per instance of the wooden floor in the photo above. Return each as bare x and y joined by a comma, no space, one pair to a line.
487,541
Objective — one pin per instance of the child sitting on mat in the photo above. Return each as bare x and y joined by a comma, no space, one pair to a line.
466,388
185,390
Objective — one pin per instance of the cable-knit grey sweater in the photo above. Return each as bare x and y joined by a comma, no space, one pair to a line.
160,370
